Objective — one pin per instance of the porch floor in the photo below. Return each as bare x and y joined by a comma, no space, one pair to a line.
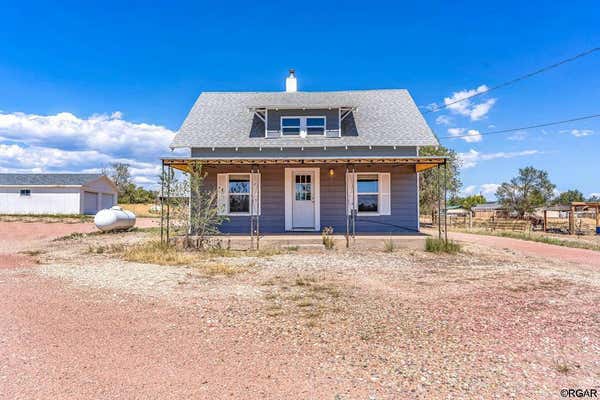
313,239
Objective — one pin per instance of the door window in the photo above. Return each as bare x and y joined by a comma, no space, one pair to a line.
303,187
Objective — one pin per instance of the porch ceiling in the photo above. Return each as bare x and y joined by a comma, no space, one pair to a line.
420,163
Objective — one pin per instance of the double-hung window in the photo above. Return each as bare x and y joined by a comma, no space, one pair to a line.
239,194
290,126
315,126
303,126
367,193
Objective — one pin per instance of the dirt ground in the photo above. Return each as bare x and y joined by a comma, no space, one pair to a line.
490,322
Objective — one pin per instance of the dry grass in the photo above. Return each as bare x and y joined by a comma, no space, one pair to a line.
436,245
141,210
305,297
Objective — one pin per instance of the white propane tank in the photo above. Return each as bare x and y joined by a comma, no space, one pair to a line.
114,218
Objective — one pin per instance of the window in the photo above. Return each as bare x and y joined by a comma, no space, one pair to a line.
303,126
25,192
239,193
367,190
303,187
315,126
290,126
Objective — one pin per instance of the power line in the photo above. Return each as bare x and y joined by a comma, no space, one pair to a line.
515,80
525,127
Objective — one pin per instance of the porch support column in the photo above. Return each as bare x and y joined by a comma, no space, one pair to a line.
162,195
445,201
258,198
439,208
169,176
346,208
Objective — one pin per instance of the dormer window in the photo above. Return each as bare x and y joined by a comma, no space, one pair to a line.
303,126
290,126
315,126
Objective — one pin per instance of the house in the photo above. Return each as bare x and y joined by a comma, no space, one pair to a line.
491,209
458,211
56,193
300,161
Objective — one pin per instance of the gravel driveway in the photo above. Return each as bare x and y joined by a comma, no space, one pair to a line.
582,257
300,325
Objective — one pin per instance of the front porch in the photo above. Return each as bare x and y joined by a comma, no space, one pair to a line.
371,198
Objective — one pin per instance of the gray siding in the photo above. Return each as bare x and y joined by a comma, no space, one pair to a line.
404,217
359,152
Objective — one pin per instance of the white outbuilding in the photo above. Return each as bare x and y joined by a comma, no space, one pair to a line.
56,193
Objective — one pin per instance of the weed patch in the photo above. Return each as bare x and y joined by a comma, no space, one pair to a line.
436,245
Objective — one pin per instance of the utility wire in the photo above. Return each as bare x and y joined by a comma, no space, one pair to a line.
515,80
525,127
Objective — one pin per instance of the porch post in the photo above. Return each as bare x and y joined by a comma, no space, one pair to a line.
346,209
169,173
162,195
353,210
445,201
439,208
258,198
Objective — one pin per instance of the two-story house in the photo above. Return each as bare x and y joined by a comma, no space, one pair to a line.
300,161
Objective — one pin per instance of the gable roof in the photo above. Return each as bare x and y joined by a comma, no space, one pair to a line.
382,117
490,205
47,179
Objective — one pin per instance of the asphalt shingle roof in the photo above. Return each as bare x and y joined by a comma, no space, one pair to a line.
382,118
47,179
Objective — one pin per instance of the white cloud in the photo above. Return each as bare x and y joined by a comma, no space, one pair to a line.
470,108
580,132
469,190
471,136
67,143
473,157
443,120
594,194
518,136
489,189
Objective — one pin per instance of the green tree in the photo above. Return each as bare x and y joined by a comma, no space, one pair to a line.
129,193
199,217
568,197
428,180
120,175
471,201
530,189
593,198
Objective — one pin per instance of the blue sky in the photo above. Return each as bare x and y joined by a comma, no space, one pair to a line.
81,85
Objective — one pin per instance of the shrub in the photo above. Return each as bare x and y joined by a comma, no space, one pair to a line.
389,246
327,236
436,245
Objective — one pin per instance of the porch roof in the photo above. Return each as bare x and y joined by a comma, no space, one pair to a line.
420,163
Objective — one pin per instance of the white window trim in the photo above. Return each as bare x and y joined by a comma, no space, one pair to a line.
289,193
378,193
352,192
249,175
303,125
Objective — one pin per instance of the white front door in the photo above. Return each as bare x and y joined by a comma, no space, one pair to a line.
303,200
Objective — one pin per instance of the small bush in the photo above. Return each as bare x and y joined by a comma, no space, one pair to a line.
327,236
436,245
389,246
